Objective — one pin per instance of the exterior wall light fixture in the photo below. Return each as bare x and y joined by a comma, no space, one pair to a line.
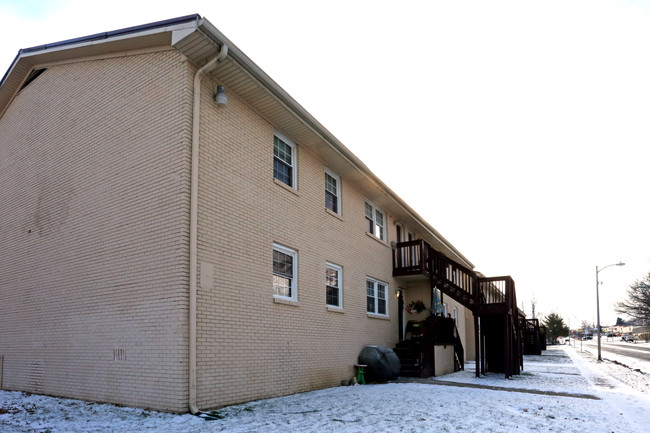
220,97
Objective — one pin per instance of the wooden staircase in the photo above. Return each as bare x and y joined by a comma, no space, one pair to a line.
493,302
409,353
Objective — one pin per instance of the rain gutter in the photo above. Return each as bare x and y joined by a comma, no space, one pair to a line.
194,201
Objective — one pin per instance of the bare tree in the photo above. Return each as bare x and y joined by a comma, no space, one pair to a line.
637,304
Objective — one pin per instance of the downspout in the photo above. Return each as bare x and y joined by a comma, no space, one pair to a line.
194,206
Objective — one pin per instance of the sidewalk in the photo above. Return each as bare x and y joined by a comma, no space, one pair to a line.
559,391
567,371
552,373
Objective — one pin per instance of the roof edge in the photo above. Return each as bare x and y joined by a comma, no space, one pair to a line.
98,37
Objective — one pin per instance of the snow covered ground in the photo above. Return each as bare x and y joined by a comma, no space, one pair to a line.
581,396
611,343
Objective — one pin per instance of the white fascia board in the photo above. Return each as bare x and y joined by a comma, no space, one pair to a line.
177,27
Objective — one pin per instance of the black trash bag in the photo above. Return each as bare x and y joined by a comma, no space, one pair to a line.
383,364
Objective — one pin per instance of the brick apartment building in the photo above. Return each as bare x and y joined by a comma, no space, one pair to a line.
164,248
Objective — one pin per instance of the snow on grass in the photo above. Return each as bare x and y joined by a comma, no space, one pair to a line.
20,412
393,407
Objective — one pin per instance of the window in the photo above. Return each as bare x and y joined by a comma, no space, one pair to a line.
333,283
332,192
285,280
456,316
411,236
284,160
377,302
375,221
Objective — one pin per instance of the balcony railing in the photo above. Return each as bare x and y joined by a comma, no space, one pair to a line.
458,279
417,257
411,258
497,292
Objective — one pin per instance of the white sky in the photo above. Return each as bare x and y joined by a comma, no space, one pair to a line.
518,129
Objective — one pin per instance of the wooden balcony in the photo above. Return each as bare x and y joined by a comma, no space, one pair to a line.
411,259
496,295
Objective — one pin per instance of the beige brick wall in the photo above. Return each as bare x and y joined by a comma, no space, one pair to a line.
250,346
94,187
444,356
94,228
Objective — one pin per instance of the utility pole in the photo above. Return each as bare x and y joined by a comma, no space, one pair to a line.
533,303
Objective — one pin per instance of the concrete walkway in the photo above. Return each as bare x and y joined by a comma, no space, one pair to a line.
553,373
433,381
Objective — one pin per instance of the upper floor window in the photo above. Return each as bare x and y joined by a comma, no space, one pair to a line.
284,272
284,160
376,297
333,283
375,221
332,192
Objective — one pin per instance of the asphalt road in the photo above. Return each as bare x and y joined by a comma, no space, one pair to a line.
642,353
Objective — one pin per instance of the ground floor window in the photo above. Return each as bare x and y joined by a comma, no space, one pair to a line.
333,279
376,297
284,272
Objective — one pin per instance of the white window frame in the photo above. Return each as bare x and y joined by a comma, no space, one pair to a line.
338,190
294,271
456,316
375,296
378,230
294,159
339,287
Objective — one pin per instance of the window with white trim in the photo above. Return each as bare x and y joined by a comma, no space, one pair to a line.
284,160
376,297
332,192
333,285
456,316
375,221
285,265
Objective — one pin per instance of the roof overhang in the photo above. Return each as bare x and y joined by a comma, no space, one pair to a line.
200,41
132,39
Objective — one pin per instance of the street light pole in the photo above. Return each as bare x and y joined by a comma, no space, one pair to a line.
598,304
